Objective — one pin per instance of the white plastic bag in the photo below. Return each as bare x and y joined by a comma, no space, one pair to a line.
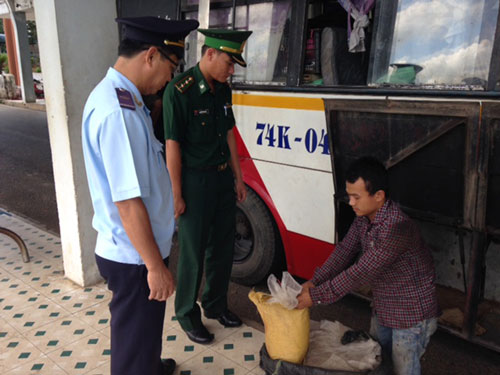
326,350
284,293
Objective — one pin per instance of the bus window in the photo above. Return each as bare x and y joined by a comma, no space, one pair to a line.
435,43
415,43
337,50
266,50
190,56
219,18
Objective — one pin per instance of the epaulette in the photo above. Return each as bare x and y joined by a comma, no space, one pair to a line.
125,98
184,84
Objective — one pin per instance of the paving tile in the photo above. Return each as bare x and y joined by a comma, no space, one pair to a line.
106,331
218,329
58,334
36,315
19,296
49,325
10,249
258,371
53,286
97,316
81,299
41,366
16,352
83,355
242,347
104,369
176,345
6,331
208,362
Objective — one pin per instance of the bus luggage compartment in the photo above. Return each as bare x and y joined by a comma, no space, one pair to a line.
443,159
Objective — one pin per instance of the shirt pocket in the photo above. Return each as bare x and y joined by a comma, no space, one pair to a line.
202,128
158,151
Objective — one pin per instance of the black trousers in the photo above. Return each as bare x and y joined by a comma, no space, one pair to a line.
136,322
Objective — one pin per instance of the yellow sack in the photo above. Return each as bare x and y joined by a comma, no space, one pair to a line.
287,331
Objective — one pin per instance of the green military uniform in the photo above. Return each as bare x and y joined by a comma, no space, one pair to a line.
199,120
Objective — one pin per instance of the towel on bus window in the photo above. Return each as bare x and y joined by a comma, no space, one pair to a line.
357,9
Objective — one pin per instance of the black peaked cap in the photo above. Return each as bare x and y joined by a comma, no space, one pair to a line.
157,31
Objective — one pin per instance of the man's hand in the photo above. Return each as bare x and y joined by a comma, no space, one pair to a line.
304,299
161,283
179,206
308,285
241,191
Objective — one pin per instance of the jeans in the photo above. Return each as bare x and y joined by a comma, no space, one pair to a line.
405,346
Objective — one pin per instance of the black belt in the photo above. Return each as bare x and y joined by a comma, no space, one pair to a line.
217,167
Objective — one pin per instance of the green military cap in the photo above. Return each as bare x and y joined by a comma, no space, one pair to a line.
230,41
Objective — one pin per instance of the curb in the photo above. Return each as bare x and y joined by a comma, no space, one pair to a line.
21,104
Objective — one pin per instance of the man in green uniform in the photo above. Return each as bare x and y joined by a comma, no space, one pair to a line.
206,179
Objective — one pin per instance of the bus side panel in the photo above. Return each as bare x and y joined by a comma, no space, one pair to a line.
252,178
305,254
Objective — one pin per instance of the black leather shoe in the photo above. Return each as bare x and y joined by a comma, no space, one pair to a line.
168,366
227,319
200,336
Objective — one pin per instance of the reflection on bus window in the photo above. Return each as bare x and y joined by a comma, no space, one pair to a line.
220,18
190,56
447,42
424,43
267,48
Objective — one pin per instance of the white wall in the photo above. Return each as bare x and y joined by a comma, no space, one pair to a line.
78,41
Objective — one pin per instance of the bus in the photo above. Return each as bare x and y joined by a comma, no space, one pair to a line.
415,83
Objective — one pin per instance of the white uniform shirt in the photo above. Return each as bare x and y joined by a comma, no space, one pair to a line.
123,160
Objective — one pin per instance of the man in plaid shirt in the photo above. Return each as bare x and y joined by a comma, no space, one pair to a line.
394,261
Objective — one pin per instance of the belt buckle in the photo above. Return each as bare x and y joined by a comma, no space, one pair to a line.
221,167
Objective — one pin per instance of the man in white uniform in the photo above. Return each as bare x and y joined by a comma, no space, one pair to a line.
131,191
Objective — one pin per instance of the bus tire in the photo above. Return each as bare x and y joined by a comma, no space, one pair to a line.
255,249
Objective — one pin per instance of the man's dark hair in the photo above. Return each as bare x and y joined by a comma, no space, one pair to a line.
204,49
129,48
372,172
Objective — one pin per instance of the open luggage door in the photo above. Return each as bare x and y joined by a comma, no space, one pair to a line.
443,160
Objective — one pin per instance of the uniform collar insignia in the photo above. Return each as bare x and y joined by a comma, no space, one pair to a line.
200,79
203,87
137,101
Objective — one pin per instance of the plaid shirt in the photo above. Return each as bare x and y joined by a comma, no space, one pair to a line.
394,261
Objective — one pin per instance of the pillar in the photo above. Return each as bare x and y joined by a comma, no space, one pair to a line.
78,41
24,57
10,43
